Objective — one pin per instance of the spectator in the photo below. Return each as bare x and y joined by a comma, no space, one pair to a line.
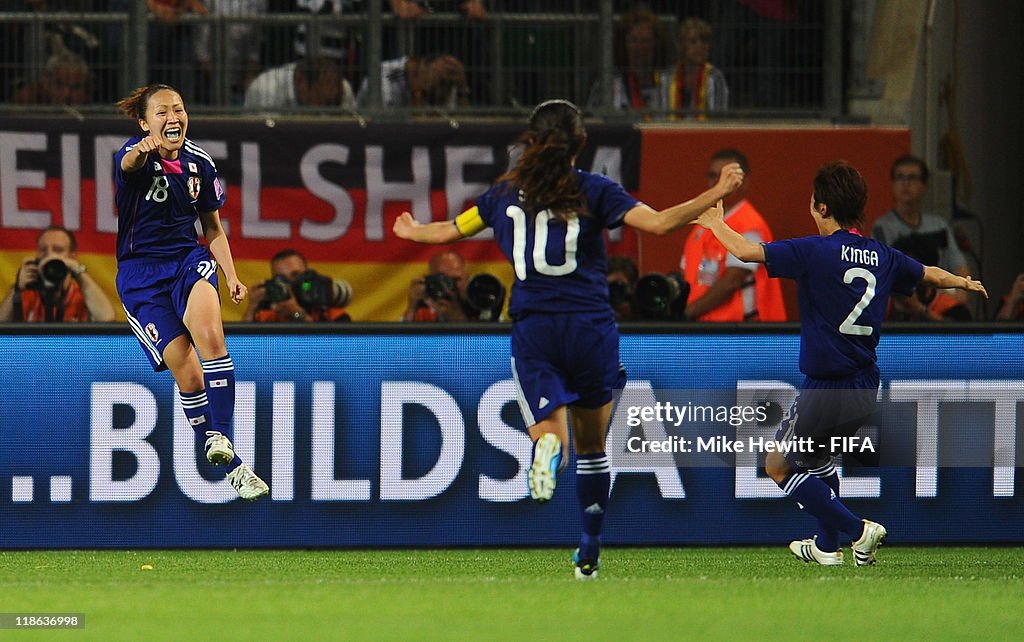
66,81
641,54
340,44
923,236
722,287
242,43
1012,306
311,82
438,80
465,39
695,86
170,44
440,295
296,293
622,277
54,286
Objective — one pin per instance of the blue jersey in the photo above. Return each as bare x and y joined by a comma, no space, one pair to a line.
560,266
157,205
843,285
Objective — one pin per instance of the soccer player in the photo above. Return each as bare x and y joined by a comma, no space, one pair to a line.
548,217
167,279
843,284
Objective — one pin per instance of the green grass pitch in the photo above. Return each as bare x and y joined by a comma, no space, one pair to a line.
643,593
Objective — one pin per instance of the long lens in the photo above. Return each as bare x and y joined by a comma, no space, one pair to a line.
655,294
53,272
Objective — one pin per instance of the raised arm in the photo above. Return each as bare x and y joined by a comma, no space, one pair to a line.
647,219
735,243
939,278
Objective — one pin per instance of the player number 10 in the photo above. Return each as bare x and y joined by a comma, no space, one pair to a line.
540,243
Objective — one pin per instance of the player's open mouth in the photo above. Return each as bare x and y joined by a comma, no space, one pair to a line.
173,134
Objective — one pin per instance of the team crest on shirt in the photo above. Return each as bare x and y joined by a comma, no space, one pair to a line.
193,187
152,333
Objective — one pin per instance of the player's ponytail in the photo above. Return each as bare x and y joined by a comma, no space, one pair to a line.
544,174
134,104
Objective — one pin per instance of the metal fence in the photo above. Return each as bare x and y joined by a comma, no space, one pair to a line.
510,60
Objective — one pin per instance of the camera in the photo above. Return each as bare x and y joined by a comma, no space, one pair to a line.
315,291
619,293
312,291
485,295
440,287
661,296
277,289
52,272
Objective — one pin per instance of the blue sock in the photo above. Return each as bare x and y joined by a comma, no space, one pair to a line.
197,411
219,375
828,537
821,502
593,479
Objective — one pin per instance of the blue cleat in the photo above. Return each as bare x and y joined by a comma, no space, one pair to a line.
547,457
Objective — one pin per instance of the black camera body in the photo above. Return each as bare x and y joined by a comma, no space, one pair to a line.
312,291
52,273
440,287
659,297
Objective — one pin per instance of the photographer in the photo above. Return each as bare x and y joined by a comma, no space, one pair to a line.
54,286
446,293
296,294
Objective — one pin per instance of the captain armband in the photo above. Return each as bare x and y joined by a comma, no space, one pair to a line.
469,222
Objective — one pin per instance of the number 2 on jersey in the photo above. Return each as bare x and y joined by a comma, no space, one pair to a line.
849,326
540,243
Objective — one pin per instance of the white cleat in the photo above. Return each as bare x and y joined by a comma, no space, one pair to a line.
218,448
545,467
807,550
247,483
865,548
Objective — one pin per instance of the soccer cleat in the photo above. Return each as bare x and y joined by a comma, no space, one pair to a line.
807,550
585,568
547,454
247,483
218,448
865,548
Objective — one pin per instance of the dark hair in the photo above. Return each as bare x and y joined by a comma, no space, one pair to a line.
544,173
134,104
734,155
625,266
314,68
841,187
287,254
72,241
910,159
662,41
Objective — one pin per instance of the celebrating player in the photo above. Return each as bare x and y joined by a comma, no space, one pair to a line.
548,218
167,279
843,284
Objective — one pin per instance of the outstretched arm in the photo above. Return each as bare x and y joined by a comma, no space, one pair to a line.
439,232
742,248
646,219
939,278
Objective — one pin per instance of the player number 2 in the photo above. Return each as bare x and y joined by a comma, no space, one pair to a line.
540,243
849,326
158,190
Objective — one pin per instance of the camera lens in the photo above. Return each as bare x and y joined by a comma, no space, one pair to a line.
53,272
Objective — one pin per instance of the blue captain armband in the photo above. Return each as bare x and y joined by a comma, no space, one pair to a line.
469,222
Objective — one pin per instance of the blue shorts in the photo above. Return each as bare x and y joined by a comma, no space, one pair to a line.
565,359
827,408
154,295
